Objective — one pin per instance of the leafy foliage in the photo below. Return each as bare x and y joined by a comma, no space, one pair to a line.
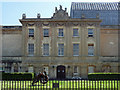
104,76
17,76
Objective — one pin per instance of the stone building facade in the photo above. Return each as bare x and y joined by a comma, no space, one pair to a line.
62,45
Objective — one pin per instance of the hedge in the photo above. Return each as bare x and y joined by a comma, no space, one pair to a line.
17,76
104,76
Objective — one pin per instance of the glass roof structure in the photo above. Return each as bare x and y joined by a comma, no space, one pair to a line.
107,11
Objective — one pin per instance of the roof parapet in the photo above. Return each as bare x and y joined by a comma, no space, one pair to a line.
60,14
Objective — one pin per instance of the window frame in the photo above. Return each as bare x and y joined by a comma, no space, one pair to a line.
31,51
31,34
75,69
75,49
90,33
91,67
60,53
44,52
60,34
91,52
46,34
74,34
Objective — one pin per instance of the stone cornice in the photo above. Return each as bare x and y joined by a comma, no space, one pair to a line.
59,20
11,31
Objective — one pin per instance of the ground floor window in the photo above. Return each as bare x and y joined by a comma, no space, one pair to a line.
91,69
46,69
15,68
106,68
118,68
75,69
7,69
1,69
30,69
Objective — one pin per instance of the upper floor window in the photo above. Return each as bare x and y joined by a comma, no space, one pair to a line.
90,32
90,49
31,32
60,32
46,33
45,49
75,69
31,49
75,32
75,49
60,49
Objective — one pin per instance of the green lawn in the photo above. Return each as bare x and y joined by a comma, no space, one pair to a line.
63,84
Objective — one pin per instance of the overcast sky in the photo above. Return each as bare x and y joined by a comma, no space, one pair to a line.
12,11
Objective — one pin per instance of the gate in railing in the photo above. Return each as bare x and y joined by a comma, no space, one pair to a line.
65,84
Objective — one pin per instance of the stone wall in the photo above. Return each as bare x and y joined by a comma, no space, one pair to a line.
12,44
109,42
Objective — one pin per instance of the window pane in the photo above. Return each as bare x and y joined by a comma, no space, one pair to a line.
30,69
75,49
46,33
46,49
61,49
90,32
75,32
60,32
90,49
90,69
31,32
75,69
31,49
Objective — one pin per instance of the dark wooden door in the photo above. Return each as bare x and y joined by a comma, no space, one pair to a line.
60,72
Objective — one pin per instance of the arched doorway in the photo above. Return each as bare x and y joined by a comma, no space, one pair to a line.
61,72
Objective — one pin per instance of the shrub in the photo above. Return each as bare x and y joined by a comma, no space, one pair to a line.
17,76
104,76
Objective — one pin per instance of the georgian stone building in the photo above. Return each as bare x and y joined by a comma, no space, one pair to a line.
63,45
